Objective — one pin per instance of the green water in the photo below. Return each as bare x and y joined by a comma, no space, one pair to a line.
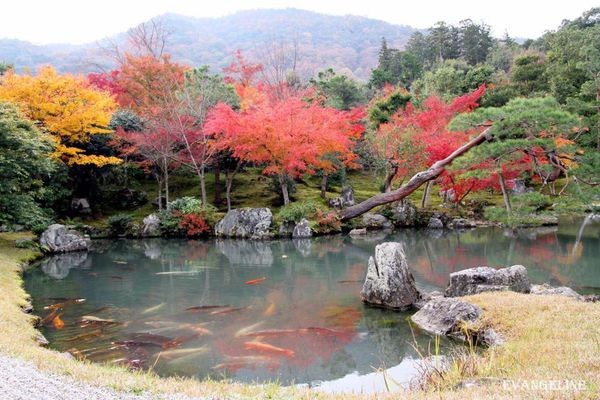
145,286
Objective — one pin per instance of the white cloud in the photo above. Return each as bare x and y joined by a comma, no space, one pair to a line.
71,21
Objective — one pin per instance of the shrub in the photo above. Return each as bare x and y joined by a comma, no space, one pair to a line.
187,216
119,224
326,222
294,212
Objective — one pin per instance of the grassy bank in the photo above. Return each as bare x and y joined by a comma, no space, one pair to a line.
548,338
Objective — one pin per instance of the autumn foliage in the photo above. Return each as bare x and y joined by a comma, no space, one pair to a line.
68,109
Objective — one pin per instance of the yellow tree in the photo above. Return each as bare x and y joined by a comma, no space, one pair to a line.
66,107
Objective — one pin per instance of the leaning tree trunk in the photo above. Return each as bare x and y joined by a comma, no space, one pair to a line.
505,195
387,187
415,182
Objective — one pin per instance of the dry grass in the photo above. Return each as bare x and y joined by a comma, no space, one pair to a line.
549,338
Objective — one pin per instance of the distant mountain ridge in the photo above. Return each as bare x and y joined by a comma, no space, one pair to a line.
348,44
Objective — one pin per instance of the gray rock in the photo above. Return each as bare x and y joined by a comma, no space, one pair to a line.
435,223
548,290
405,214
485,279
518,186
445,316
375,221
59,239
389,282
448,196
346,199
462,223
151,226
81,206
302,229
426,297
250,223
358,232
286,229
591,298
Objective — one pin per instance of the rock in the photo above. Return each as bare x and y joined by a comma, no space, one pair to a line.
286,229
389,282
405,214
489,337
485,279
518,186
445,316
426,297
591,298
41,339
435,223
346,199
547,290
81,206
302,229
462,223
59,239
375,221
151,226
251,223
358,232
58,266
131,198
448,196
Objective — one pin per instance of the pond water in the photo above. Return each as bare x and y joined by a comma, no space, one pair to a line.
286,310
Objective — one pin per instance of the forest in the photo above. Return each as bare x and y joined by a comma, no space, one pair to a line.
504,131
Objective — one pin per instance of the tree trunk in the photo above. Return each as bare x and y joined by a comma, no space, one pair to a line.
229,183
166,173
425,198
505,196
218,189
203,186
159,192
324,185
415,182
284,189
387,187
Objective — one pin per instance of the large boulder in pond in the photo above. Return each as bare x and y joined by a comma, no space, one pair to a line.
302,230
60,239
486,279
248,223
443,316
151,226
389,282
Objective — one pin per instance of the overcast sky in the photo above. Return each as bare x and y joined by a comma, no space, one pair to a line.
80,21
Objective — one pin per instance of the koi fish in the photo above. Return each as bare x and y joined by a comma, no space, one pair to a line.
322,331
205,308
268,348
272,332
255,281
94,274
229,310
88,320
63,302
153,309
177,273
247,329
121,262
183,352
200,331
236,365
57,322
84,336
145,339
270,310
50,317
116,277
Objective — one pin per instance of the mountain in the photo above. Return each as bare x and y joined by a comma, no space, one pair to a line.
346,43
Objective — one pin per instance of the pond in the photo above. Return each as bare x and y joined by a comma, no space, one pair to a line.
285,310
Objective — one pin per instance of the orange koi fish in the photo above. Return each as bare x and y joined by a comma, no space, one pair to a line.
268,348
255,281
57,322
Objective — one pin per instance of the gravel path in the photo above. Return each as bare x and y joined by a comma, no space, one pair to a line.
21,380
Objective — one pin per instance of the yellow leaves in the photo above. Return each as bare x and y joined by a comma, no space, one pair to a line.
562,142
66,107
564,157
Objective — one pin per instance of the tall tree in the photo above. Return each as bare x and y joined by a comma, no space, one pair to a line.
66,107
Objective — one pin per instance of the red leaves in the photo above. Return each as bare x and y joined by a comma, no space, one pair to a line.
194,225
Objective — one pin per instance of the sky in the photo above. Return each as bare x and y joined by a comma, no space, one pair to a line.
81,21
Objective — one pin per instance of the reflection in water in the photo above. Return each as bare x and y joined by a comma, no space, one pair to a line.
303,322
